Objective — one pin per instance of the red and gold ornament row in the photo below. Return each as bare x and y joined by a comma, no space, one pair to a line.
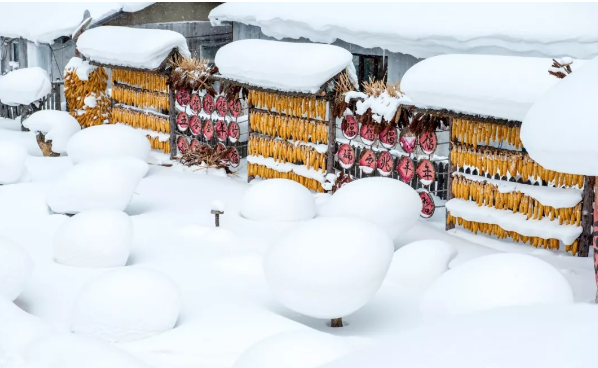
208,104
194,126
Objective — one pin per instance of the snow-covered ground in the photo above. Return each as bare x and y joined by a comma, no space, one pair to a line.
226,306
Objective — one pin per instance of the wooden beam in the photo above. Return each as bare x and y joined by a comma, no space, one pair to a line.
451,170
172,116
249,131
587,216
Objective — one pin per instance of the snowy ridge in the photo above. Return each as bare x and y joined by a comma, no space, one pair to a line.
548,196
510,221
287,167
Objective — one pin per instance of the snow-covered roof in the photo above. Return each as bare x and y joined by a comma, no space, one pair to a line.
24,86
131,47
44,22
487,85
560,129
284,66
425,30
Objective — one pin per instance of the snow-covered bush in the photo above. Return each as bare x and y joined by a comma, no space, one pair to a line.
19,328
296,349
494,281
94,238
328,267
104,141
15,268
99,184
392,204
12,162
126,304
24,86
419,263
278,200
71,351
57,126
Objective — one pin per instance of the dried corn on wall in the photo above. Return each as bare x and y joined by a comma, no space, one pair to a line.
141,101
289,138
86,99
475,151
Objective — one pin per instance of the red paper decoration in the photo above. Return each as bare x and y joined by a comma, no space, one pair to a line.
406,169
208,130
349,127
407,140
182,121
234,132
428,206
221,130
234,106
182,144
428,142
221,106
182,97
195,125
367,161
233,157
384,164
388,136
346,156
208,104
368,135
195,103
194,146
426,172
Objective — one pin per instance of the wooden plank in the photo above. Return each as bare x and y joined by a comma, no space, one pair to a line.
249,131
172,116
587,216
331,138
451,170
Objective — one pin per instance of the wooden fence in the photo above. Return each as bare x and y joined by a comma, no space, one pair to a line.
52,101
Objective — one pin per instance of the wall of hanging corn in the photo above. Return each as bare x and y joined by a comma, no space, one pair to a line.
308,107
159,145
139,98
474,132
152,82
283,151
289,128
86,99
139,119
264,172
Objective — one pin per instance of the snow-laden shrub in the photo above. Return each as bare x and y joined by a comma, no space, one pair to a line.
19,329
15,269
278,200
392,204
57,126
12,162
126,304
494,281
328,267
296,349
104,141
94,238
418,264
99,184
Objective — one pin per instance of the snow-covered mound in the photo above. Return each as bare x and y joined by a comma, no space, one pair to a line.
103,141
24,86
71,351
94,238
285,66
392,204
57,126
494,281
12,162
15,268
296,349
419,263
564,119
19,328
95,185
126,304
328,267
278,200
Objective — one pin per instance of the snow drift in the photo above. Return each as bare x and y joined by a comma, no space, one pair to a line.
57,126
12,162
278,200
15,269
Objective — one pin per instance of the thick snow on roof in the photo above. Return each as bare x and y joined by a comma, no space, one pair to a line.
497,86
560,129
24,86
44,22
285,66
424,30
131,47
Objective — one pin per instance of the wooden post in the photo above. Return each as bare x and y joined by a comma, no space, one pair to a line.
249,131
56,95
336,322
331,138
217,216
172,115
594,236
587,215
451,170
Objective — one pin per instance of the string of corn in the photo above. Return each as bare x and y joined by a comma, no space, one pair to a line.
289,128
264,172
473,132
500,233
138,119
141,99
158,145
492,161
145,80
77,90
486,194
308,107
283,151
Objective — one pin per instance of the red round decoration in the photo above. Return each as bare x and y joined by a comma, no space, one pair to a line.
234,106
428,142
388,136
233,157
208,104
368,136
195,125
220,148
221,105
194,146
182,144
385,164
221,130
182,121
195,103
346,156
406,169
208,130
234,132
349,127
428,206
407,140
182,97
426,172
367,161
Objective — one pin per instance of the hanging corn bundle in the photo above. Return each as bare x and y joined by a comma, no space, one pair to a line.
86,98
140,99
152,82
282,151
157,144
289,128
308,107
142,120
474,132
264,172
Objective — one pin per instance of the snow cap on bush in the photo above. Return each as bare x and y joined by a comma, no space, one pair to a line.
12,162
15,269
57,126
278,200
